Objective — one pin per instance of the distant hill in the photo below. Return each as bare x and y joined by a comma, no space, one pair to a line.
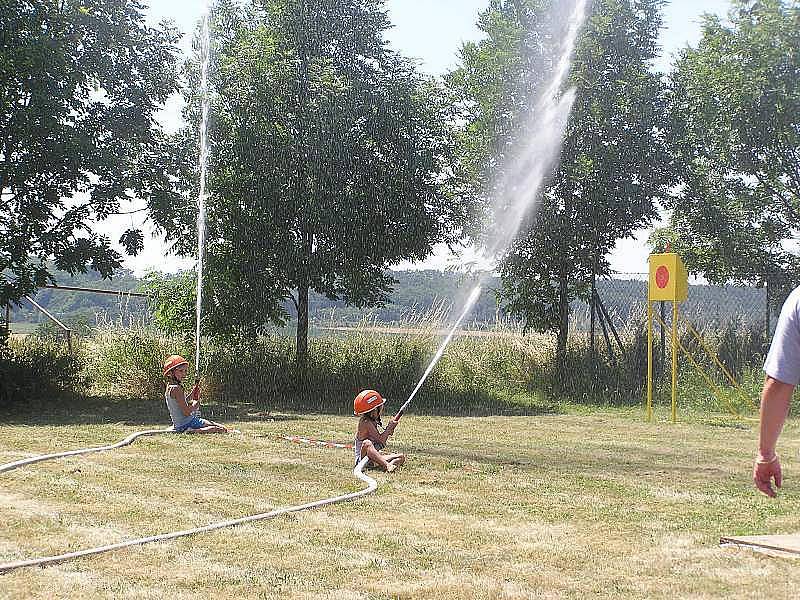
416,294
86,308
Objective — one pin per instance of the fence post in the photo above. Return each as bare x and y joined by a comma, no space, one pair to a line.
64,328
591,319
663,359
766,310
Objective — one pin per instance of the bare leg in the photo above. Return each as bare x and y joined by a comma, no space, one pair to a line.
375,456
395,460
209,429
395,457
369,450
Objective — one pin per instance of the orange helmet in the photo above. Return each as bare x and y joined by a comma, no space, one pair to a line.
176,360
366,401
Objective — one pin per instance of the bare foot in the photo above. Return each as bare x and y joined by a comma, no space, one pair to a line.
390,467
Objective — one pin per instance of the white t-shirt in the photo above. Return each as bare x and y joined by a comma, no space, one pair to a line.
783,359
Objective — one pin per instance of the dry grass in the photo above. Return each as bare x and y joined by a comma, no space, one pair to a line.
594,505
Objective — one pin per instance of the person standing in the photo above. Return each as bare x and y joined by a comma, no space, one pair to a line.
782,374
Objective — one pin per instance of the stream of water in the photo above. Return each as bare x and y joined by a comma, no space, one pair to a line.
205,55
523,179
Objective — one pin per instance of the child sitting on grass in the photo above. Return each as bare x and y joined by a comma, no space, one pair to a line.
184,414
369,441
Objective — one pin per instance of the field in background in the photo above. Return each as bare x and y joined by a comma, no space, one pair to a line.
22,329
481,373
563,505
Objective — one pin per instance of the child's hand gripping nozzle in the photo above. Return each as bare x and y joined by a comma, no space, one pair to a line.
194,396
392,425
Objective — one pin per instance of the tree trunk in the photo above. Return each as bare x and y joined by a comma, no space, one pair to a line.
5,334
301,355
563,318
592,307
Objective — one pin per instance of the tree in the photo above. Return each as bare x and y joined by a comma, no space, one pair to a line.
613,165
735,106
80,83
173,301
329,162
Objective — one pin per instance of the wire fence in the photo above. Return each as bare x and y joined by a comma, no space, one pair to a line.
723,335
606,359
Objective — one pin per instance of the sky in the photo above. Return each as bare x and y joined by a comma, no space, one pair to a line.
430,31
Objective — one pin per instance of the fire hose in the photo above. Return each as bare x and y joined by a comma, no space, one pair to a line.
358,472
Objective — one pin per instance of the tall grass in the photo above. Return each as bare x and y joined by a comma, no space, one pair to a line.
128,361
37,368
498,372
477,375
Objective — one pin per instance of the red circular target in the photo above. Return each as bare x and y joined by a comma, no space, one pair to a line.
662,277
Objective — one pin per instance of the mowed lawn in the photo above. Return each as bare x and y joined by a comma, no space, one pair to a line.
589,505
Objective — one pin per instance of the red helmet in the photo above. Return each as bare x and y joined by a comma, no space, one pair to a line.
176,360
366,401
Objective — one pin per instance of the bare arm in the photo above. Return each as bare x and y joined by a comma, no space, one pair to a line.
367,430
179,397
776,397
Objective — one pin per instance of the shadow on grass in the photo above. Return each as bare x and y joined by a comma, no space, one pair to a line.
601,464
464,456
442,404
95,410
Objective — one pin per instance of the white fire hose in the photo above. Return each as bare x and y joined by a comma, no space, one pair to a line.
358,472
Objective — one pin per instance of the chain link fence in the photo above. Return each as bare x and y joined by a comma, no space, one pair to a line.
493,367
723,337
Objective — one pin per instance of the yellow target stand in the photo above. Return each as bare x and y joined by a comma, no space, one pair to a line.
669,282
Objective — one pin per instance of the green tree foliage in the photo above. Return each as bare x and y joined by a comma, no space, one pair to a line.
613,163
735,104
173,301
80,82
329,161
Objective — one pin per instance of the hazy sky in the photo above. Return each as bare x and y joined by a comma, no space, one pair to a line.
432,32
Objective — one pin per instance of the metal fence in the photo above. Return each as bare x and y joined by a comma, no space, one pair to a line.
722,331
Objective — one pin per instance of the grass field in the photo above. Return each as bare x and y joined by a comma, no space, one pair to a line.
598,504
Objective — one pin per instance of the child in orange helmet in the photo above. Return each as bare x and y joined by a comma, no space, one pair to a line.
369,440
182,411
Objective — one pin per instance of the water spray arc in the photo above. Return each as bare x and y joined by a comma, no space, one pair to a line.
525,175
205,54
473,297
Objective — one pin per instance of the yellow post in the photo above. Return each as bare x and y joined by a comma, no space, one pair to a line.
674,362
668,282
649,360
